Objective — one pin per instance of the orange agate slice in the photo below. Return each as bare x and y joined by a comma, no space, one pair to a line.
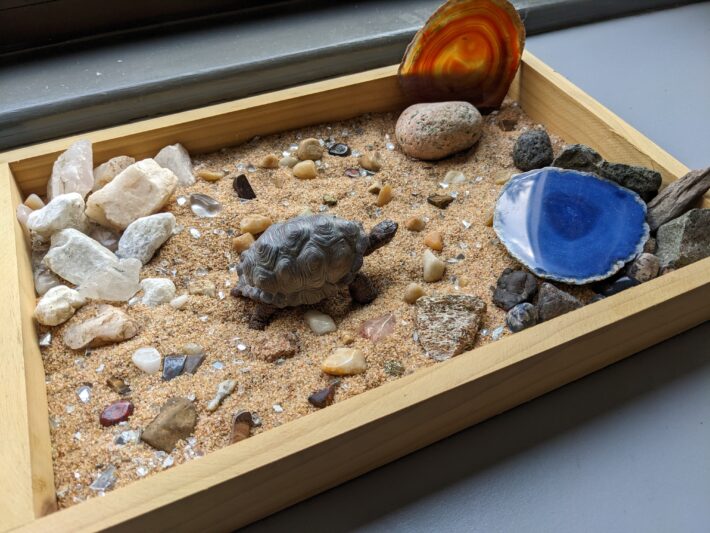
468,50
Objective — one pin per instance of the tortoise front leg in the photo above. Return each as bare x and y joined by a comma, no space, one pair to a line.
261,316
362,290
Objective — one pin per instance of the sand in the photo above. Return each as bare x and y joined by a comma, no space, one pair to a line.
278,391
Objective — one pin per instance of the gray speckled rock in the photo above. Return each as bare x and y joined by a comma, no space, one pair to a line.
678,197
447,324
578,157
684,240
532,150
643,181
644,268
553,302
144,236
435,130
521,316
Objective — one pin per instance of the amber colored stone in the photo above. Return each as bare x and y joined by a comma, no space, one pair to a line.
434,240
116,412
323,397
118,385
242,422
468,50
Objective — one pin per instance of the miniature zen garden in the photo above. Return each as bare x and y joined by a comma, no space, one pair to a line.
188,301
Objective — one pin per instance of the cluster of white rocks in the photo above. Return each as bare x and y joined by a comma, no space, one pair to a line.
98,228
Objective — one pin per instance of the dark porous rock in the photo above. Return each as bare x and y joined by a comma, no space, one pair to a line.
243,187
615,286
362,290
644,268
242,422
684,240
521,316
447,324
514,287
441,201
118,385
532,150
173,366
323,397
116,412
678,197
277,347
578,157
643,181
176,420
553,302
193,362
339,149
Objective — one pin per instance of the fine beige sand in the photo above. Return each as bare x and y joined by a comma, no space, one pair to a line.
278,391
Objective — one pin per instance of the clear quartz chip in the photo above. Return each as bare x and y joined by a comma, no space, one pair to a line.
204,206
106,479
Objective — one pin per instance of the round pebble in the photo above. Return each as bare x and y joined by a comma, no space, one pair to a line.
210,175
254,224
413,292
148,359
269,161
521,316
371,162
305,170
243,242
415,223
345,362
532,150
309,149
288,161
320,323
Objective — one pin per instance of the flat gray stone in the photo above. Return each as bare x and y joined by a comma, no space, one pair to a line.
553,302
684,240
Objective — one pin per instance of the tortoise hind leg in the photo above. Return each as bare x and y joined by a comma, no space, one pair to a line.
262,316
362,290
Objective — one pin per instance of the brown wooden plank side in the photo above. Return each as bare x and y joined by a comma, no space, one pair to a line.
26,482
239,484
551,99
210,128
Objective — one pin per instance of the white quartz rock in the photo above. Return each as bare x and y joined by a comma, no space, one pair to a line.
320,323
74,256
105,172
58,305
110,325
116,282
176,158
140,190
157,291
72,171
144,236
44,279
148,359
434,267
104,236
63,211
179,301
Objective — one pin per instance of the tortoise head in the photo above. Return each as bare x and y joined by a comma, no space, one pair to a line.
380,235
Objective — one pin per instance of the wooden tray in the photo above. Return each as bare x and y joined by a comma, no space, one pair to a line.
239,484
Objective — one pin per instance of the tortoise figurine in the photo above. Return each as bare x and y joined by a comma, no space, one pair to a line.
306,259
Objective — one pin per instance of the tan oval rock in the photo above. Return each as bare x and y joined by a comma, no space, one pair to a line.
255,224
371,162
434,240
210,175
415,223
243,242
309,149
413,292
305,170
269,161
433,131
345,362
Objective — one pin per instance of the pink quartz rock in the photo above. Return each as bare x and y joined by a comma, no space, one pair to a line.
378,328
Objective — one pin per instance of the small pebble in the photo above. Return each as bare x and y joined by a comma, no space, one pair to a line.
243,242
243,188
224,389
34,202
242,422
173,366
148,359
415,223
269,161
434,267
371,162
305,170
329,199
394,368
339,149
320,323
522,316
193,362
434,240
644,268
413,292
441,201
309,149
254,224
116,412
323,397
204,206
454,177
192,348
375,188
345,362
352,172
288,161
210,175
176,420
118,385
532,150
385,196
179,301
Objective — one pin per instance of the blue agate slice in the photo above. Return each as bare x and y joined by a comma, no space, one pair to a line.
570,226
